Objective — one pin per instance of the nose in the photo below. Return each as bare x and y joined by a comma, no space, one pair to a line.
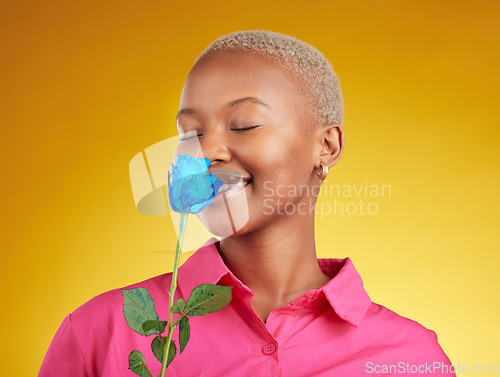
214,147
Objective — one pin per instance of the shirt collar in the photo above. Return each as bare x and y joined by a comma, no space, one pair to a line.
205,266
344,292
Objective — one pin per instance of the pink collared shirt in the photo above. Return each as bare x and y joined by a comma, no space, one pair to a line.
332,331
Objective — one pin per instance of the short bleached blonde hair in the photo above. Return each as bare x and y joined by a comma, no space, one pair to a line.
316,77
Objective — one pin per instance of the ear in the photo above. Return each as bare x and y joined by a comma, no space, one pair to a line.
332,141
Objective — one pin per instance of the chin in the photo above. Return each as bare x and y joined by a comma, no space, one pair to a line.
225,218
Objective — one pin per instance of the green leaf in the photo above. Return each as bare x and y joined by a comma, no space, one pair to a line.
138,307
137,364
158,347
184,332
179,306
158,326
208,298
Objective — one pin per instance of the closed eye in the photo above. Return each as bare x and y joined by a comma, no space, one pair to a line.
182,139
244,129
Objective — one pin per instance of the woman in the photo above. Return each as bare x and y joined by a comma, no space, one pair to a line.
268,106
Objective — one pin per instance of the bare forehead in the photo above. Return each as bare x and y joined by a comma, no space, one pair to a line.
254,65
223,73
225,76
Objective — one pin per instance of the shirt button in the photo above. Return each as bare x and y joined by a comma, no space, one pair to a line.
269,349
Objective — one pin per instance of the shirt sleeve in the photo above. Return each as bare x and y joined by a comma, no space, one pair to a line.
64,357
441,364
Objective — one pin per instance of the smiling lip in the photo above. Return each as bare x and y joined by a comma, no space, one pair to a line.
234,182
232,191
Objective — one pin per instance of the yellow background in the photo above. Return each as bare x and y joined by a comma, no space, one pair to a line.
88,84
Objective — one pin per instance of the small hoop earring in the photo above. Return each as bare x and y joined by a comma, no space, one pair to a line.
324,171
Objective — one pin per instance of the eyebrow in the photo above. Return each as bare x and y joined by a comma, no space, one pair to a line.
230,104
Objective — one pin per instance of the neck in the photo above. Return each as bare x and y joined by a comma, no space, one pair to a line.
277,262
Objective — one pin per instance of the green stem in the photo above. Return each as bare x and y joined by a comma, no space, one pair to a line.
182,230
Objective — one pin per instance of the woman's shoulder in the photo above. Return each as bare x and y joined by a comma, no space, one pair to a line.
86,335
407,335
395,322
108,304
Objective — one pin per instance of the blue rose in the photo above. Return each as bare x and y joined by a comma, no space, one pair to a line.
192,188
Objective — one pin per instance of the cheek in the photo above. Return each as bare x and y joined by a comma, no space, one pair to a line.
279,162
293,158
262,155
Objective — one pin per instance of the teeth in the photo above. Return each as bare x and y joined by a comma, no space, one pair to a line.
227,186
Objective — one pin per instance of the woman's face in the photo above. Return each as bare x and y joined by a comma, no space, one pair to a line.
251,117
